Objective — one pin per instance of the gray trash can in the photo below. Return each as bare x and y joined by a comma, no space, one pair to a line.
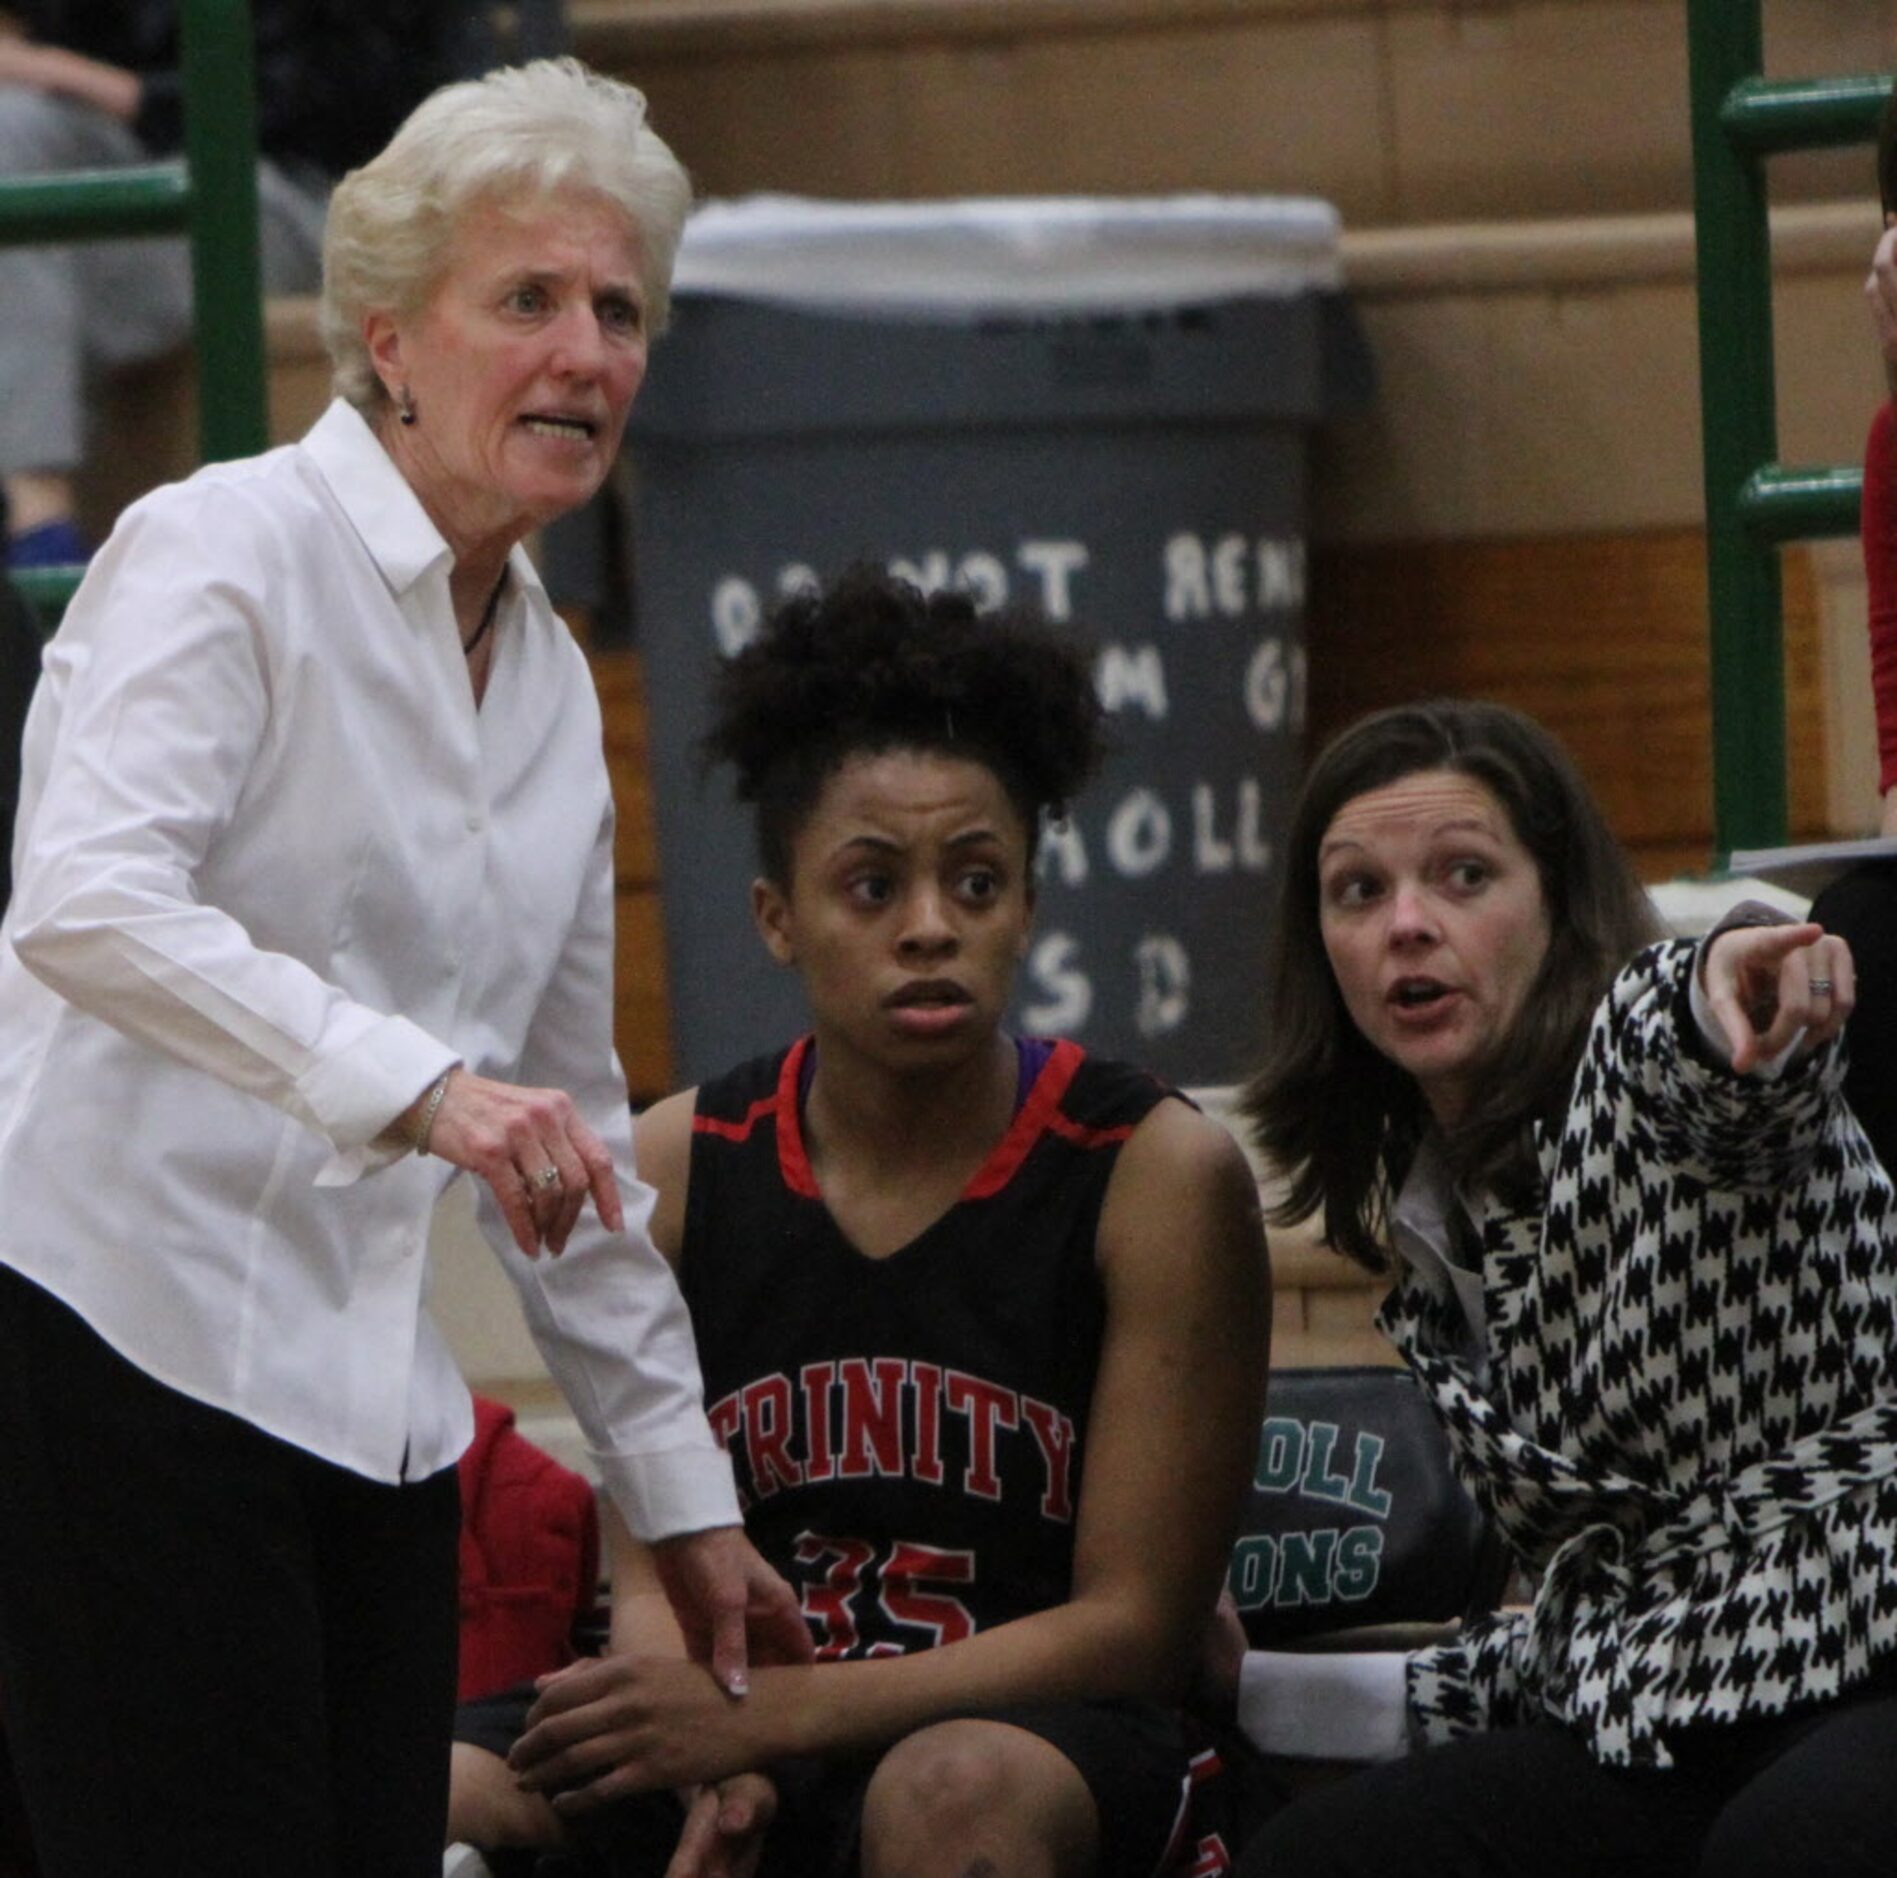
1100,407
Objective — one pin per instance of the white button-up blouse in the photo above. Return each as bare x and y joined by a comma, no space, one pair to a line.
273,872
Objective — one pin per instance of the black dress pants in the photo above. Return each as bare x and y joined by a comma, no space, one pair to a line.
220,1656
1809,1795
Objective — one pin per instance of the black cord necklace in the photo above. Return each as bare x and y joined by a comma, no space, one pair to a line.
480,632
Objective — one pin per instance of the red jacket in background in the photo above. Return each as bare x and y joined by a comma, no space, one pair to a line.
529,1556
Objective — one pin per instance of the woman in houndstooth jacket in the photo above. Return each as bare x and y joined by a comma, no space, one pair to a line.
1644,1270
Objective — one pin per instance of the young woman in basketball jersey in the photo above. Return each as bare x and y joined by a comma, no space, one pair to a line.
983,1319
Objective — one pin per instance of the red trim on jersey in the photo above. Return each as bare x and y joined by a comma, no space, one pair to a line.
1084,1137
1173,1858
1035,1116
781,1107
1040,1114
735,1131
792,1160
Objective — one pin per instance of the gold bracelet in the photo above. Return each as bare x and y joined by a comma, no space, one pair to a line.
426,1125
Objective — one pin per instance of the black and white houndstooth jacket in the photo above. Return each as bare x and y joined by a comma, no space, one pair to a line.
1689,1428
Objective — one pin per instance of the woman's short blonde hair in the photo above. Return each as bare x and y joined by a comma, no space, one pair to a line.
517,136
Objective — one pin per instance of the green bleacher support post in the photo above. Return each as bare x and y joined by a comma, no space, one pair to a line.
227,275
1738,411
1800,504
86,205
1763,118
1753,502
46,589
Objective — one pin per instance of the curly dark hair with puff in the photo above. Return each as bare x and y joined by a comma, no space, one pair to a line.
874,665
1340,1119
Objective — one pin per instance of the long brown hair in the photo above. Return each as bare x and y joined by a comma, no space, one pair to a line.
1339,1119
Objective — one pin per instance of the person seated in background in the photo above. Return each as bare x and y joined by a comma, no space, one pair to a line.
1861,904
1646,1271
984,1319
530,1559
529,1573
85,86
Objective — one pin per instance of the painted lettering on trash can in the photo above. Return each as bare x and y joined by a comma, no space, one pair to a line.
1322,1564
844,386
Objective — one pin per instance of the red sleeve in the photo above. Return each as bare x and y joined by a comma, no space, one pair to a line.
1880,574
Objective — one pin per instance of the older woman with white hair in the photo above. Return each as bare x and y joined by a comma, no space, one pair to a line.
312,909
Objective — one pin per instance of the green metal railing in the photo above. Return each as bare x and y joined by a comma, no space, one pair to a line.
211,196
1753,503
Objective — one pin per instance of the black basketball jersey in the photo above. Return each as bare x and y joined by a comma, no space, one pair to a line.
909,1432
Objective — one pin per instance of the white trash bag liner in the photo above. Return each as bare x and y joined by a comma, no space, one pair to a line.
997,255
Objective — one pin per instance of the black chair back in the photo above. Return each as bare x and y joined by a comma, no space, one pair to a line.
1355,1517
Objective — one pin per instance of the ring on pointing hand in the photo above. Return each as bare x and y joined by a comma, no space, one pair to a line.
549,1176
1821,987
